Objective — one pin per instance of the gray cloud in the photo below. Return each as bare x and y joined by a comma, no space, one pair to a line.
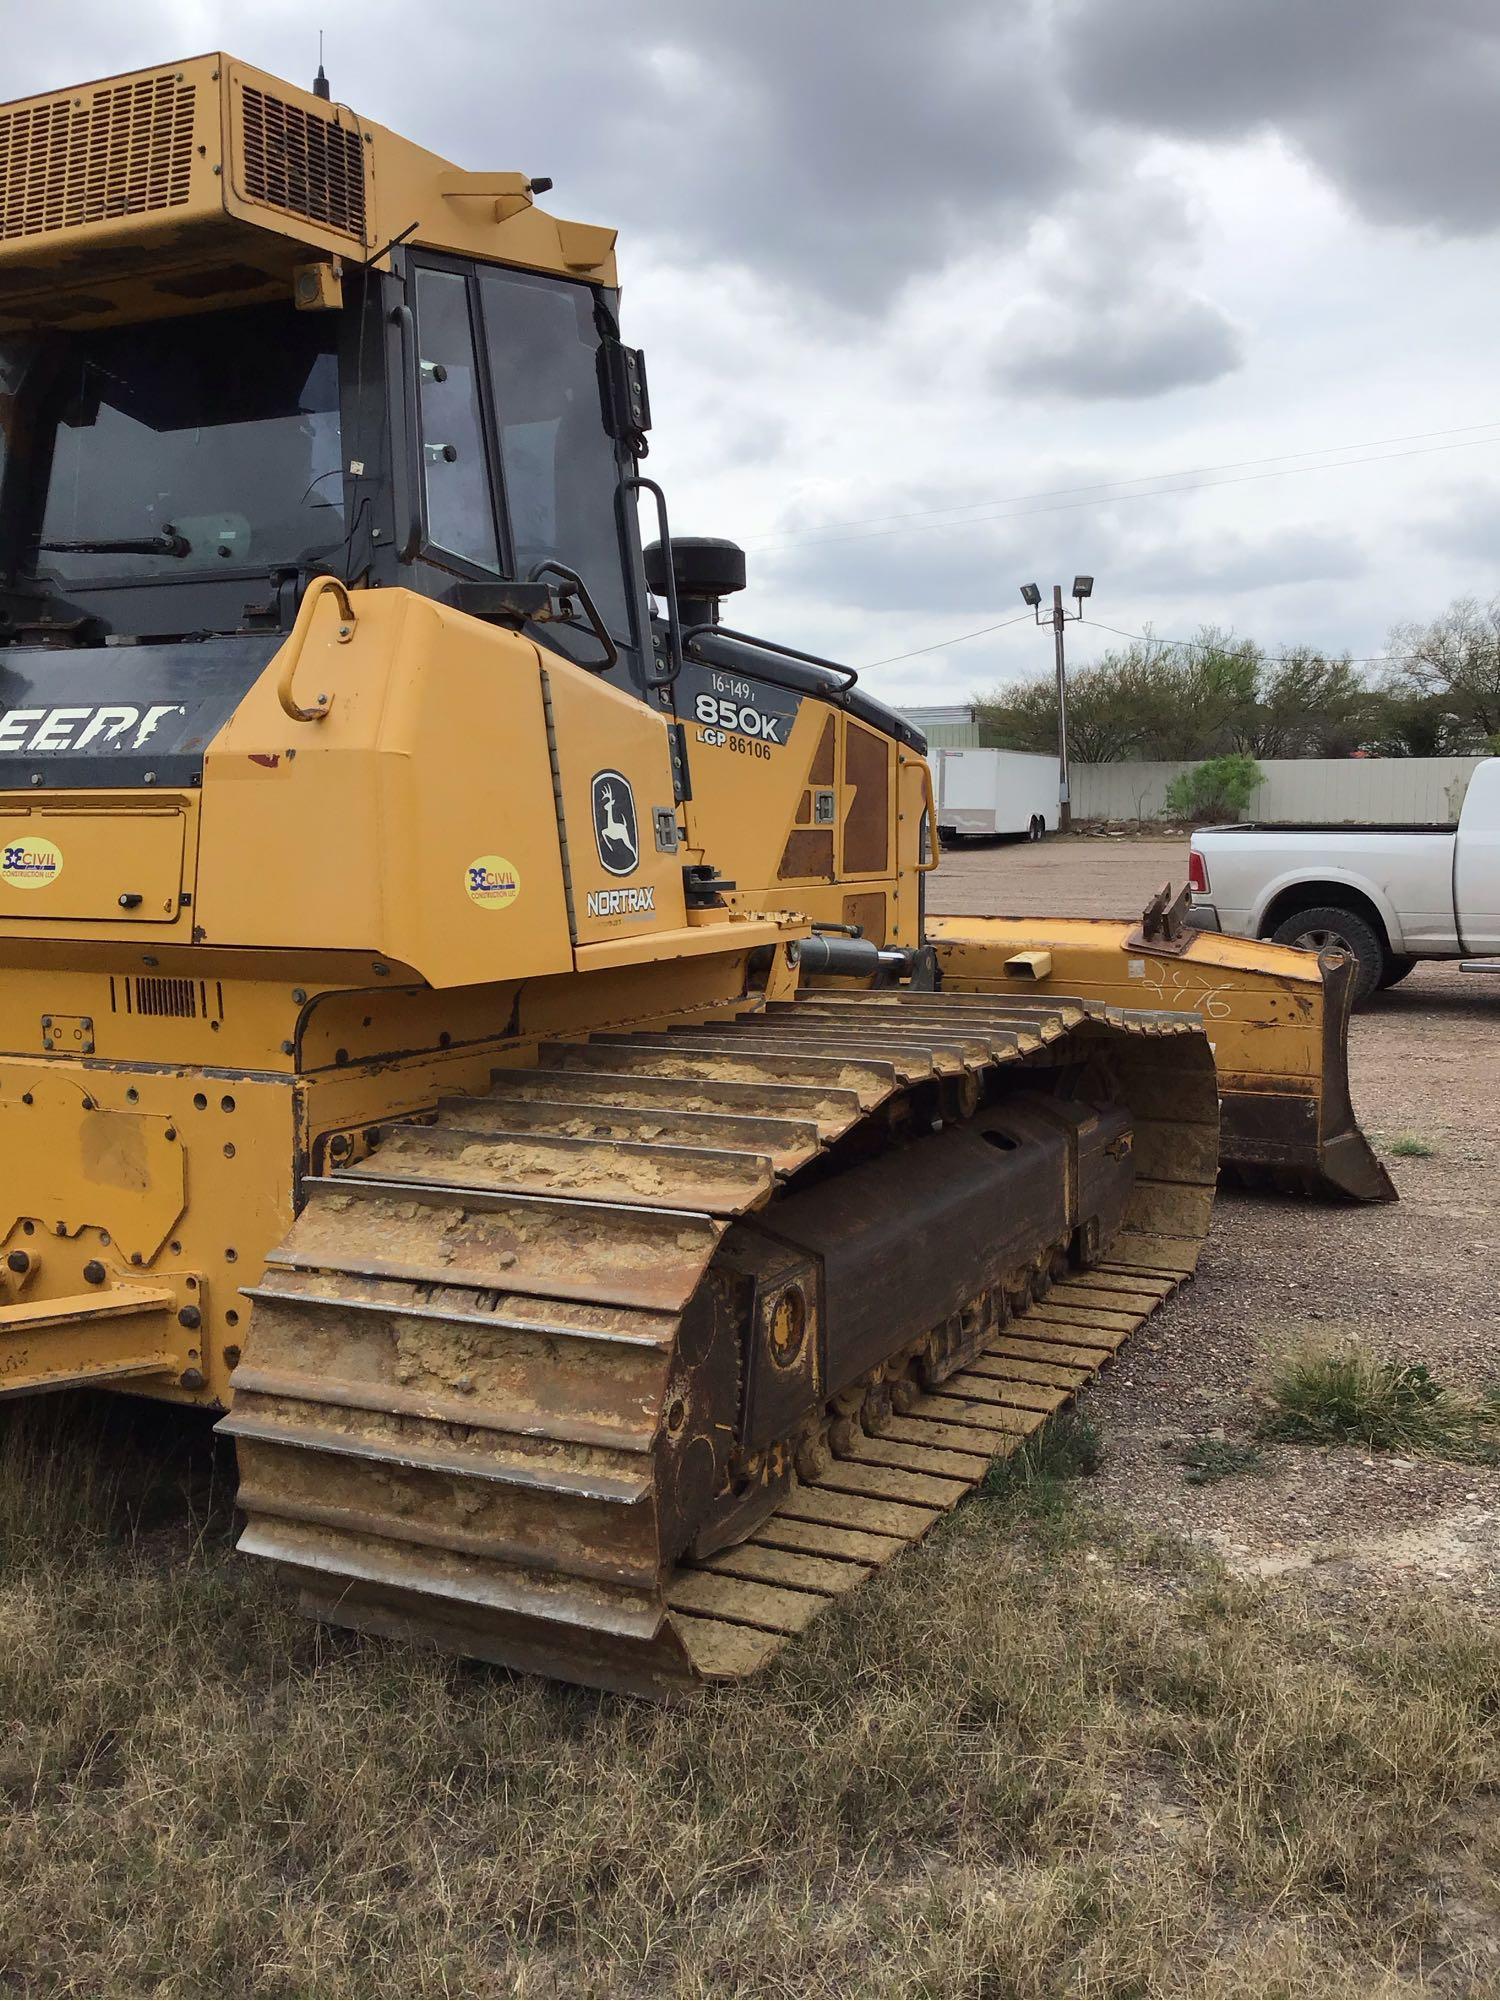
1096,347
1394,100
1468,526
1237,564
843,149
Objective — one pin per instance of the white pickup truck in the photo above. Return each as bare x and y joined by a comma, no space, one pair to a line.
1388,896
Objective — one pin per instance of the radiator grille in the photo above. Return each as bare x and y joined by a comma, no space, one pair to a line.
307,165
124,149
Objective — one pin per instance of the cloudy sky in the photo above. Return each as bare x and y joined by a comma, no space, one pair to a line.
940,296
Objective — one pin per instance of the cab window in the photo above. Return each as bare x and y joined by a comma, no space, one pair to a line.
455,475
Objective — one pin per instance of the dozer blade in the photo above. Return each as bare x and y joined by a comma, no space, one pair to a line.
1277,1020
624,1370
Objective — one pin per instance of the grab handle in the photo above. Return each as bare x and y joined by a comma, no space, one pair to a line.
317,590
926,868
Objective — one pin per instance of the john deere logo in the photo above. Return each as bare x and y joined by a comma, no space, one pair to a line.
615,833
28,863
492,882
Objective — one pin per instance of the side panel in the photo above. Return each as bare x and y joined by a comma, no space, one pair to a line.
415,819
801,807
124,858
614,801
1408,878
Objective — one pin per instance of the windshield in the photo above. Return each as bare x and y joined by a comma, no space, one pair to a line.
213,438
558,463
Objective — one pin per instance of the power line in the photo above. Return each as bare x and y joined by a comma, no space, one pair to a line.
1144,638
1114,499
1151,639
938,644
1140,479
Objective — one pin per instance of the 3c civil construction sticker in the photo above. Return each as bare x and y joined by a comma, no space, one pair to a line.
30,863
492,882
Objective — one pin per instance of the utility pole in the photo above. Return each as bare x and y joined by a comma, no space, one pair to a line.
1057,618
1064,799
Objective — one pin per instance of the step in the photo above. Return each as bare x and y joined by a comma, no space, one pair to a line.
95,1336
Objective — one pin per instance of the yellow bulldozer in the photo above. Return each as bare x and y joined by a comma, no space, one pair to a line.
468,1013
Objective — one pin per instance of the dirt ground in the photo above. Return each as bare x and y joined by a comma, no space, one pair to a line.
1054,1749
1418,1281
1070,876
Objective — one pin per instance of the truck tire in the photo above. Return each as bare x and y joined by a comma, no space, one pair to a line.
1397,966
1329,929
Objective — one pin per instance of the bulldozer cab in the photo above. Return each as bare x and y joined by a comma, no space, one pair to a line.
447,428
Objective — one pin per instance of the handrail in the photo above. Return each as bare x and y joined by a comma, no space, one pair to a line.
573,582
292,652
850,674
926,868
638,483
409,486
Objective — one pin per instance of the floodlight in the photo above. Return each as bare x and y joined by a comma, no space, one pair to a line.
1031,594
1083,587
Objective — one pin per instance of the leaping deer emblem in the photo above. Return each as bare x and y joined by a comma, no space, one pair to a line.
614,830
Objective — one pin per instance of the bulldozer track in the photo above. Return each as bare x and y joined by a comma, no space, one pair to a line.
478,1401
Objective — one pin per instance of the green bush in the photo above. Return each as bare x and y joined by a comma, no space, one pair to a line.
1345,1398
1216,789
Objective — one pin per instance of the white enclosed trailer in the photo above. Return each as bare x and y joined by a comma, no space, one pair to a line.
995,792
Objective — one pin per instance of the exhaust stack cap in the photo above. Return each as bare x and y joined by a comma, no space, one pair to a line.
706,568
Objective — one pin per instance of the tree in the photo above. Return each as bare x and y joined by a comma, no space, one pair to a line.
1110,705
1306,705
1455,663
1405,723
1440,694
1147,699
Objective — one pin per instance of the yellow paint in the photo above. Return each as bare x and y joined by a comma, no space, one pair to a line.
192,125
355,832
67,1159
599,732
28,862
103,857
1262,1004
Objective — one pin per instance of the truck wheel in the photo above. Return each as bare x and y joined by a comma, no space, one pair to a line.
1397,966
1329,929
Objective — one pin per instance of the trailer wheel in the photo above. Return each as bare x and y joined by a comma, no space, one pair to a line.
1037,828
1329,929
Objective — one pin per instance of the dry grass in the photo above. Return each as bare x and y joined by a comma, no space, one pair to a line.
1031,1758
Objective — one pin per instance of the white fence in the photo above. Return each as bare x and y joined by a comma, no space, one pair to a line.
1329,791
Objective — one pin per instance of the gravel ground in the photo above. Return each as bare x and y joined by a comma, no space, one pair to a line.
1071,875
1417,1281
